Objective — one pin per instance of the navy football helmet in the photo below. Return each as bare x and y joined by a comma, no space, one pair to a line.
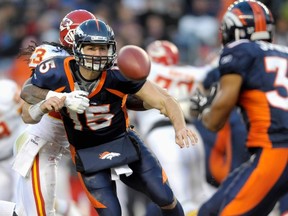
247,19
94,31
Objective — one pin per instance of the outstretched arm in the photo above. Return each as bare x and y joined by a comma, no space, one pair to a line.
156,97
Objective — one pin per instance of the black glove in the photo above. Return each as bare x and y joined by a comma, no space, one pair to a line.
200,102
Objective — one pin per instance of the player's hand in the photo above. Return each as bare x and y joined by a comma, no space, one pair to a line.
199,101
52,104
77,101
184,137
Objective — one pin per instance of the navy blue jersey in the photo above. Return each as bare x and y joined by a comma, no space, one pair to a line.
105,118
264,96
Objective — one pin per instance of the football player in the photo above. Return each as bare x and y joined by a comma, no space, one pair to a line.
253,76
41,146
104,124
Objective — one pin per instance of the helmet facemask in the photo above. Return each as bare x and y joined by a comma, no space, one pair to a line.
94,32
95,63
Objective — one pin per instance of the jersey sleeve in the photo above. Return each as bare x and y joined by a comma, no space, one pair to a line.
126,86
236,58
50,74
211,77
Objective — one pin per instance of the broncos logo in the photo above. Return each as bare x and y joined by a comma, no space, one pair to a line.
108,155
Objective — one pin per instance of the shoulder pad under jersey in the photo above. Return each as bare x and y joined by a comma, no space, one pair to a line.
44,52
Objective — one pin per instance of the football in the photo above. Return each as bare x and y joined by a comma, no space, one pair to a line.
133,62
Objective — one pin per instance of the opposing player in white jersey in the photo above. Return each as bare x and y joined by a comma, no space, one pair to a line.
185,169
11,125
40,147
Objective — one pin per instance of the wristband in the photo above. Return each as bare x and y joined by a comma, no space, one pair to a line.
53,94
35,111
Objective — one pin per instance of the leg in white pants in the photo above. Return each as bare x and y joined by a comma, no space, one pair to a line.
37,192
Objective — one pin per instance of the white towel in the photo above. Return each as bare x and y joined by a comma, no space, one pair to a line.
25,157
117,171
6,208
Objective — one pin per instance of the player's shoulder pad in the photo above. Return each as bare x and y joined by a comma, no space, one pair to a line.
51,64
237,45
44,52
239,49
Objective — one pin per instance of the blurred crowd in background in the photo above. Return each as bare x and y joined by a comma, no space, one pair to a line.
193,25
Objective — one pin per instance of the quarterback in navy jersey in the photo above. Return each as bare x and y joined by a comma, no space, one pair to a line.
106,116
253,76
98,129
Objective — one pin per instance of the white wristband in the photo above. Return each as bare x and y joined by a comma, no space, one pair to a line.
53,93
35,111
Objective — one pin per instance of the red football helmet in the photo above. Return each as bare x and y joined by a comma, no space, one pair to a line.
164,52
69,23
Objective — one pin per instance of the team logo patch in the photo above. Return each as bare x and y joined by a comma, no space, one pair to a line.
226,59
108,155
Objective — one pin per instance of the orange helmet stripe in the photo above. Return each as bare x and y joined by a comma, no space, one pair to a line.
238,12
259,17
97,24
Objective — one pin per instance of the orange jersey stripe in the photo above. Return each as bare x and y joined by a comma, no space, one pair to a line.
125,110
124,96
164,176
69,72
255,188
259,118
39,201
221,154
99,86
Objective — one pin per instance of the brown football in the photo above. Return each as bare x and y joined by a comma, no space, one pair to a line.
134,62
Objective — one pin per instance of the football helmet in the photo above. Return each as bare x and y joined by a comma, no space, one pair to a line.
94,31
247,19
69,23
163,52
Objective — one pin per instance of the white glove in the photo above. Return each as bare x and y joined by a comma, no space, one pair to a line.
77,101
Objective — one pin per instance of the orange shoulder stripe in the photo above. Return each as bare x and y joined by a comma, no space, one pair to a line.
100,85
69,72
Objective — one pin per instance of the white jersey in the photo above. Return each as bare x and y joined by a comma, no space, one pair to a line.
179,81
44,52
50,127
11,123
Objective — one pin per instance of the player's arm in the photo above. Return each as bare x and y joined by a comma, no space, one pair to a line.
33,94
225,100
32,114
155,97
